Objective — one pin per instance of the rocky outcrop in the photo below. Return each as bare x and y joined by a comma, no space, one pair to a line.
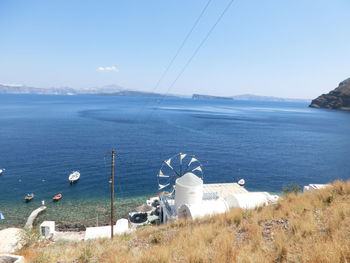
10,240
338,98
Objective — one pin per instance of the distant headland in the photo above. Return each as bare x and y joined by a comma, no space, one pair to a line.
209,97
338,98
109,90
116,90
244,97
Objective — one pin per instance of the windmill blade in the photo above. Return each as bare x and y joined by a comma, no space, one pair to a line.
182,156
161,186
162,175
192,161
167,162
197,169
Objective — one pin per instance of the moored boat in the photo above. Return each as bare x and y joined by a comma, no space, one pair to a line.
74,176
57,197
29,197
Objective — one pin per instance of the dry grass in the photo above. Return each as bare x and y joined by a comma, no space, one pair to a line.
300,228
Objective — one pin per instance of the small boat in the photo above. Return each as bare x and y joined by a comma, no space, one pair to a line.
57,197
29,197
74,176
2,171
241,182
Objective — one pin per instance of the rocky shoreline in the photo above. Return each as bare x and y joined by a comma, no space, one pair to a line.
338,98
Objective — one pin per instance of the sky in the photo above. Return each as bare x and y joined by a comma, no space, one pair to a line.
292,49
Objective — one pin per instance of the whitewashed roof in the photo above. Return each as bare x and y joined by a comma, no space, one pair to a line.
223,189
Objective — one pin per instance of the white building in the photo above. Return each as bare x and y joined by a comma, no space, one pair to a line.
194,199
313,187
47,229
121,227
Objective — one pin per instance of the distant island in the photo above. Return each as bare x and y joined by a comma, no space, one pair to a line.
338,98
265,98
110,90
245,97
209,97
115,90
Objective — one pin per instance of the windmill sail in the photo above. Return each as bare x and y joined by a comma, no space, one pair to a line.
192,161
175,167
168,163
161,186
161,174
197,169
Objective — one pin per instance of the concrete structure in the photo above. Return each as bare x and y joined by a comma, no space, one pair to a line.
32,217
313,187
47,229
8,258
205,208
189,190
250,200
69,236
224,189
194,199
121,227
10,239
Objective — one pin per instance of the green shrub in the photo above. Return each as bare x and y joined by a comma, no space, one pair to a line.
29,237
291,188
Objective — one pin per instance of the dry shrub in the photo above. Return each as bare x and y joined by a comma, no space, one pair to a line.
155,254
233,217
223,248
315,228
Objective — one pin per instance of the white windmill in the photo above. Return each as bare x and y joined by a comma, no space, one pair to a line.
175,167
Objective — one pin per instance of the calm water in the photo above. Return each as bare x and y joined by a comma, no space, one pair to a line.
44,138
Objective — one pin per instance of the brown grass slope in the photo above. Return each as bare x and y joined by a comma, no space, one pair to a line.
300,228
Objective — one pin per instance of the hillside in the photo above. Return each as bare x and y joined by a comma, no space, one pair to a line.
338,98
265,98
109,90
300,228
245,97
209,97
22,89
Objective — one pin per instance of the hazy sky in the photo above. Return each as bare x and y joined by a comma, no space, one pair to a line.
295,48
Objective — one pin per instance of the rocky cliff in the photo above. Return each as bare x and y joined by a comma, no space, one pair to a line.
338,98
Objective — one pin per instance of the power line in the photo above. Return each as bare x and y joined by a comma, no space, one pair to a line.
177,52
183,43
195,52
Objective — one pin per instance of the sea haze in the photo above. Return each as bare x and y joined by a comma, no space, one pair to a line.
269,144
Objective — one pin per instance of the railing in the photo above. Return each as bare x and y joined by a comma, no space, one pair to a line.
167,206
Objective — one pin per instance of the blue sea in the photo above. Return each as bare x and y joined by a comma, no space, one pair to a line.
43,138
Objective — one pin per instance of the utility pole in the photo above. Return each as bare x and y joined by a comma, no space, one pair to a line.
112,191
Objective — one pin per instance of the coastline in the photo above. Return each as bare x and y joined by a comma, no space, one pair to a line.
72,215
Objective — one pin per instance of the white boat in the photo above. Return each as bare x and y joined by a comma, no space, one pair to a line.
74,176
2,171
